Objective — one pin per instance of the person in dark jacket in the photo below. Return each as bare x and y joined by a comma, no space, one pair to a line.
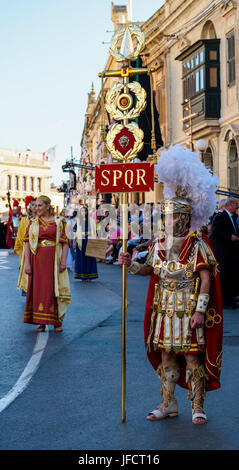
225,241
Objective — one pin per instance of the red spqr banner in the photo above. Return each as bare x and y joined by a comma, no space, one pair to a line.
124,177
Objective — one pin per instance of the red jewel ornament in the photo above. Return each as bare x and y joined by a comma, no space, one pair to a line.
124,141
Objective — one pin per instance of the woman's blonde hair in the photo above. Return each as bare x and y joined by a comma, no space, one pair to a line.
47,201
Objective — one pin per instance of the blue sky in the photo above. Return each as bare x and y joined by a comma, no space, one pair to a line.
50,53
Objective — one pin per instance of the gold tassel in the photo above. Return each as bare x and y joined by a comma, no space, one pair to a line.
153,139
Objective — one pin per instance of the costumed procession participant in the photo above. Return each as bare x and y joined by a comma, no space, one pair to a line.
12,225
183,315
70,235
85,266
46,248
19,247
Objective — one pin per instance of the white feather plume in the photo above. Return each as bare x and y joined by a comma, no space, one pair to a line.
178,166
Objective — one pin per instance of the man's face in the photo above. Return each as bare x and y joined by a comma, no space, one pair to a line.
175,224
234,206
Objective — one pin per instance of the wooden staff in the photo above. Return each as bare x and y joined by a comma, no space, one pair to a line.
124,305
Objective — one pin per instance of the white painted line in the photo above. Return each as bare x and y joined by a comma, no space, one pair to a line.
3,261
28,372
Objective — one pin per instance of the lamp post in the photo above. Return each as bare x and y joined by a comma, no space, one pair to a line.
9,199
201,146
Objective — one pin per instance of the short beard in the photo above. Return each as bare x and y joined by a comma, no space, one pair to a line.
180,226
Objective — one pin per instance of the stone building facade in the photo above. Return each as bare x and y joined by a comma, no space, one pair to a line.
193,47
24,173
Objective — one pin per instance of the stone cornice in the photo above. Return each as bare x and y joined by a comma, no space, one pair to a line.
169,25
19,167
228,6
167,21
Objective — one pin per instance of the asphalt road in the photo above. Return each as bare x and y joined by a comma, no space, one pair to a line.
72,400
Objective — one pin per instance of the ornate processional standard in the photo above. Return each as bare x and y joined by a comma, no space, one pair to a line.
124,102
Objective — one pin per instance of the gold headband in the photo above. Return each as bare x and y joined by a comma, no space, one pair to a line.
174,206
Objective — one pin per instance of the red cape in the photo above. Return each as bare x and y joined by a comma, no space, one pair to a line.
212,356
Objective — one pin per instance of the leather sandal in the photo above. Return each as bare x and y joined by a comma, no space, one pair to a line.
58,329
171,410
199,415
41,329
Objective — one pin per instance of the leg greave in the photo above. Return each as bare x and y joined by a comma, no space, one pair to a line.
169,376
196,377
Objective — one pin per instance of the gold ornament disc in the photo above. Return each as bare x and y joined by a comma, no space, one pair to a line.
124,102
113,97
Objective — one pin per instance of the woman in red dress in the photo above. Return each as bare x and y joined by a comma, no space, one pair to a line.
44,236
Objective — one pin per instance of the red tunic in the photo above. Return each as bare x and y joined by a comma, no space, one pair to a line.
41,302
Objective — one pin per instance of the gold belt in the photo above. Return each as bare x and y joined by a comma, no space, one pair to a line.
175,285
46,243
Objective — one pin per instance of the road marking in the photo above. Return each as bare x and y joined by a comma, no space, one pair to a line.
4,260
28,372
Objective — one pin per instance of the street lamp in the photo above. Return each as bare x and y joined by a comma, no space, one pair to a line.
9,199
201,146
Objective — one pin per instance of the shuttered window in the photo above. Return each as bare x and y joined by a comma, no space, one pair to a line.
231,71
233,165
208,159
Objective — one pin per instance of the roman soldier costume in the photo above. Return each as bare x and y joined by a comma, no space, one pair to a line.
177,258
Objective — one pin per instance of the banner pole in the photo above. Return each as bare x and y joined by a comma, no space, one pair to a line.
124,304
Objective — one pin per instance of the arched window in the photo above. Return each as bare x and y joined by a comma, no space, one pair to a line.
24,183
31,184
208,31
17,183
38,185
233,165
9,182
208,159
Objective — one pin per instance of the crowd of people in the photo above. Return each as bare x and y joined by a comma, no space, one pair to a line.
222,230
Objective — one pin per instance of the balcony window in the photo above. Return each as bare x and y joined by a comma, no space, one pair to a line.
193,75
201,79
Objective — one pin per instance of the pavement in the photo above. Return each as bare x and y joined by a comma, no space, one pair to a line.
73,402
